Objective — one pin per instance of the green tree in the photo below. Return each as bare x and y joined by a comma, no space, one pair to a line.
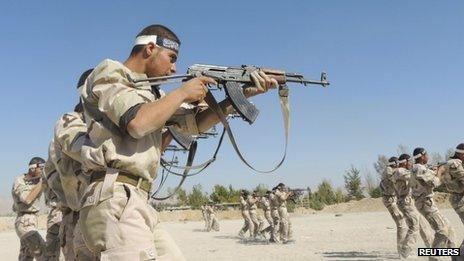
325,193
197,197
339,196
234,195
261,189
181,195
375,192
353,183
220,194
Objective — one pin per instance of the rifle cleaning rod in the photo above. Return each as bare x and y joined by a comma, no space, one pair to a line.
163,78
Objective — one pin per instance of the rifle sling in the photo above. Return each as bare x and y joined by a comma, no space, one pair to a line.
201,166
191,156
284,105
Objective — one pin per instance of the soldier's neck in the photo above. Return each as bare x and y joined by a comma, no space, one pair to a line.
135,64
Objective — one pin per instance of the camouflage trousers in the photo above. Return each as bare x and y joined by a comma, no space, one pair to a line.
275,216
52,248
205,218
32,244
457,202
247,225
72,243
255,221
213,223
285,225
117,223
416,223
270,229
444,234
401,226
261,225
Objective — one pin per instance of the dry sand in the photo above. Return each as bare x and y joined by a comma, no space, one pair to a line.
321,236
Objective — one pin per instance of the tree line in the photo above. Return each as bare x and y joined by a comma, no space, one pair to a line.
356,187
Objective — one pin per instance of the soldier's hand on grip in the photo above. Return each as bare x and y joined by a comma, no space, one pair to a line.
196,88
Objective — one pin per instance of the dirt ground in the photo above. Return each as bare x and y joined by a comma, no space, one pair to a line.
321,236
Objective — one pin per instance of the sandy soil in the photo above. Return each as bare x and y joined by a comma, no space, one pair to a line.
321,236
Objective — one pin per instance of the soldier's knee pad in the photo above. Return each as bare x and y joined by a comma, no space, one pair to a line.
33,241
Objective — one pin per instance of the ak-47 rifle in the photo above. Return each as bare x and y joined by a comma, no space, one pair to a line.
436,167
231,79
234,80
297,193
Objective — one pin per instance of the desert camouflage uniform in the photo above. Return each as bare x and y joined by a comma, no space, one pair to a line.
416,222
247,225
52,249
32,244
213,222
390,202
274,204
116,220
282,196
64,152
252,209
205,216
266,205
425,181
453,178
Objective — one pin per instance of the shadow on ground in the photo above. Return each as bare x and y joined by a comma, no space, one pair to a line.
354,255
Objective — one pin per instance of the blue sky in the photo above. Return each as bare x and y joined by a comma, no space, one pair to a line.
395,69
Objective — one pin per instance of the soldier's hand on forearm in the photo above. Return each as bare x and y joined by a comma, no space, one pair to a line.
262,83
196,88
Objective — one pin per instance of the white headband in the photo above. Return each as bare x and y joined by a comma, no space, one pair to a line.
418,156
459,151
159,41
403,161
392,163
36,165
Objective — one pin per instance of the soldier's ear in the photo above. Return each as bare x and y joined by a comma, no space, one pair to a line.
149,49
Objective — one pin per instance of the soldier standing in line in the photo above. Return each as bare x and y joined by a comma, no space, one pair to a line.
205,215
55,215
453,178
125,123
65,158
247,225
274,203
282,194
252,209
213,222
266,205
416,222
26,192
425,181
390,201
